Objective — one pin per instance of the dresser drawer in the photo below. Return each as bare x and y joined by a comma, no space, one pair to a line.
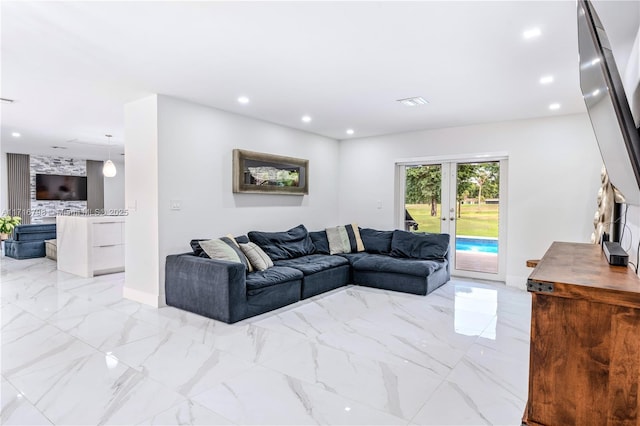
107,233
108,257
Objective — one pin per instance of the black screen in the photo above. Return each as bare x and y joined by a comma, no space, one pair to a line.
59,187
604,96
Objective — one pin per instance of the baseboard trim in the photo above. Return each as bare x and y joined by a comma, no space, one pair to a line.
155,300
517,282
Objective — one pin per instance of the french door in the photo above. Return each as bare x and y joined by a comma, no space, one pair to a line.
465,198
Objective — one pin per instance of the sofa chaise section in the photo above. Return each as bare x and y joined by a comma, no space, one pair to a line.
223,290
415,276
403,261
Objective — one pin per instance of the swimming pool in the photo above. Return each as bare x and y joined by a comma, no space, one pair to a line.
477,245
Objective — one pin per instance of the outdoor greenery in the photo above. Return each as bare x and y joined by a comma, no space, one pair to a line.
476,182
476,220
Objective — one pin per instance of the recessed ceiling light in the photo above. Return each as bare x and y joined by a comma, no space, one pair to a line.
554,106
15,134
306,118
243,100
595,92
415,101
546,79
350,131
531,33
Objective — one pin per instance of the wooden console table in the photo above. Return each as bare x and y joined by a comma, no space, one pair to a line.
585,340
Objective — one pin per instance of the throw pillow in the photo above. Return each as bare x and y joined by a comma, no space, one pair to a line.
197,250
377,242
220,250
320,241
256,256
344,239
354,238
338,240
243,259
419,246
284,245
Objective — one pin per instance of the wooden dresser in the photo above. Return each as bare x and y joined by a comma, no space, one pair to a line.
585,340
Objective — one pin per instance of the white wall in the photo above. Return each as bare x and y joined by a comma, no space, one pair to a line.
141,198
114,189
553,178
194,167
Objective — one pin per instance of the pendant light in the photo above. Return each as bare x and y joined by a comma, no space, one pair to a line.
109,169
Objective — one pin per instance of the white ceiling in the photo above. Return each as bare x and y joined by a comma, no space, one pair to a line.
71,66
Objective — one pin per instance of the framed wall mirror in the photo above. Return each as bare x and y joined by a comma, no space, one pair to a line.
260,173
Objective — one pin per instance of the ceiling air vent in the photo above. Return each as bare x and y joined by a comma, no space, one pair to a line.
411,102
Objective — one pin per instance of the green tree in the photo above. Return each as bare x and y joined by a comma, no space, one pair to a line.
465,186
423,186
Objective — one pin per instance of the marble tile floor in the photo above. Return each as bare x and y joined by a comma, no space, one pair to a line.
75,353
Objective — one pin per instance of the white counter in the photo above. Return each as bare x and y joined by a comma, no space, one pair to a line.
90,245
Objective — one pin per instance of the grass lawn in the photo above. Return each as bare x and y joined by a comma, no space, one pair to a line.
476,220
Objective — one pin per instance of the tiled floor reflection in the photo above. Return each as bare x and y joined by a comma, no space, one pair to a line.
75,353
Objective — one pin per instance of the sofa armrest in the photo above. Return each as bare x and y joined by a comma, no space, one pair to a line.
212,288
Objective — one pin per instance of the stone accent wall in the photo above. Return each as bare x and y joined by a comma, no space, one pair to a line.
46,210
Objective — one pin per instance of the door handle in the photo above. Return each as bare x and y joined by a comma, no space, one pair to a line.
444,218
452,218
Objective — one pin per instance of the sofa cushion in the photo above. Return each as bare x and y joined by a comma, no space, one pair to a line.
35,232
320,241
375,241
353,257
284,245
242,239
419,245
314,263
382,263
258,258
272,276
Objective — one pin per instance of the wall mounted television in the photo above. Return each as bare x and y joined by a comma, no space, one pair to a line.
607,105
61,187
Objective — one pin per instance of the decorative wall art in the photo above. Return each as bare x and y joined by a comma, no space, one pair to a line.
257,172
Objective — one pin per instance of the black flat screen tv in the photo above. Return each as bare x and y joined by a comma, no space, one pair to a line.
61,187
607,105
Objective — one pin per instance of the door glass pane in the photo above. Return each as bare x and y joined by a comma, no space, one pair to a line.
422,198
476,230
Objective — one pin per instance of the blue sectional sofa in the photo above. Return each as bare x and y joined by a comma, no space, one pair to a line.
28,240
304,267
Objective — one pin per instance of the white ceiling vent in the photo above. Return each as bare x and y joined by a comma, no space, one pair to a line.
417,101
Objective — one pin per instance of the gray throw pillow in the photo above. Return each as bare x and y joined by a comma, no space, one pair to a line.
256,256
218,249
338,240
